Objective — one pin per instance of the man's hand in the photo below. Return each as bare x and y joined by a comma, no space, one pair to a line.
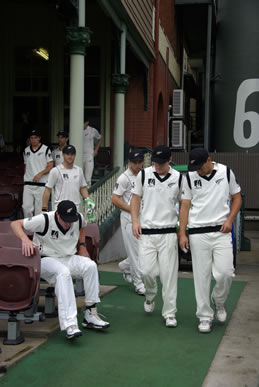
37,177
183,242
28,247
136,230
226,226
83,251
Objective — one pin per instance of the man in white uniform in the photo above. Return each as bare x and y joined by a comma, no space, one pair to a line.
89,150
121,198
57,153
57,234
154,221
66,180
38,162
206,194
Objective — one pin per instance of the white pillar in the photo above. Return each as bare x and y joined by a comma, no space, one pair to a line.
120,82
119,130
76,118
77,72
123,48
81,13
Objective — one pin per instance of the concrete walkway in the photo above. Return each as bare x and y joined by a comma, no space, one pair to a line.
237,359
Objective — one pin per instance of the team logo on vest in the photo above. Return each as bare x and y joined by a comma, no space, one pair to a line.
57,156
219,181
54,234
171,184
197,184
28,154
151,182
116,186
41,153
65,176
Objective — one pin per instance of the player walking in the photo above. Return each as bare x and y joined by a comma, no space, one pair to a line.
121,198
38,162
207,190
154,221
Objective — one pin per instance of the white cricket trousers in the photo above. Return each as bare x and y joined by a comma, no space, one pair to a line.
158,254
32,200
211,253
59,272
88,161
130,264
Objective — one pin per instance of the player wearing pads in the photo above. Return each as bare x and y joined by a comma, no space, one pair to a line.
206,194
57,153
154,221
121,198
57,234
66,180
38,162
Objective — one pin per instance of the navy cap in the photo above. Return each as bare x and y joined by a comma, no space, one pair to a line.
62,133
67,211
69,149
136,155
197,157
161,154
35,133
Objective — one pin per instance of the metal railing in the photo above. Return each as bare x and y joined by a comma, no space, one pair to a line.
101,193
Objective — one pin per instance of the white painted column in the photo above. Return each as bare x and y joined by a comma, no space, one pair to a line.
76,119
119,118
120,82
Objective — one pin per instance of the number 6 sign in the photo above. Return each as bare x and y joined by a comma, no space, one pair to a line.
247,87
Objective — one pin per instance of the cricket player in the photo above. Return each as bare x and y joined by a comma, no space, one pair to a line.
57,153
207,191
66,180
121,198
38,163
154,222
57,235
89,150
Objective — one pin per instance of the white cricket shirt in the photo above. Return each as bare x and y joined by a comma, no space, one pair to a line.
56,242
36,161
57,156
159,197
66,183
210,196
123,187
90,134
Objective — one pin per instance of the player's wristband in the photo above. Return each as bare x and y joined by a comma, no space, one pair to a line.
44,209
82,244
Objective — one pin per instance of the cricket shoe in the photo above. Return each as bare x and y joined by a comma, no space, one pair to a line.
171,322
149,306
140,290
221,313
93,321
126,275
205,326
73,332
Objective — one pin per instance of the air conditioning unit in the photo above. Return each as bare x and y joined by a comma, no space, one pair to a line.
178,134
178,103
